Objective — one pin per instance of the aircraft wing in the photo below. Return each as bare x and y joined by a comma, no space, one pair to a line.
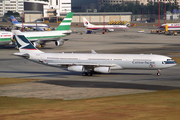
46,39
83,64
36,28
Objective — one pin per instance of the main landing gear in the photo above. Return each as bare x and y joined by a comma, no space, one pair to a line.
87,74
159,72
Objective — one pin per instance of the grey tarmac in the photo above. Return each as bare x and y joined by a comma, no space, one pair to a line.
57,83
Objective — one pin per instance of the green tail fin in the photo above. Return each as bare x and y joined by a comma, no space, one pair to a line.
66,23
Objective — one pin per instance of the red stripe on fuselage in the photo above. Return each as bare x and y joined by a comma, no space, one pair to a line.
31,49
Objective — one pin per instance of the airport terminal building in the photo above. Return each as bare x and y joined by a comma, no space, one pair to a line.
35,9
11,5
35,6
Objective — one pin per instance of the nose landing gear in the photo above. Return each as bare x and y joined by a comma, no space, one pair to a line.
159,72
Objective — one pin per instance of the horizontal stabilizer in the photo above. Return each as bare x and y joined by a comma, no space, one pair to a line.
22,54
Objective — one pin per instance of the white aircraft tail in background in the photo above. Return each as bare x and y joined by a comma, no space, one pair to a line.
92,62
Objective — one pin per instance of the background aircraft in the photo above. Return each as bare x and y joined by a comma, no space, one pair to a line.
93,62
40,38
5,38
30,25
88,25
171,26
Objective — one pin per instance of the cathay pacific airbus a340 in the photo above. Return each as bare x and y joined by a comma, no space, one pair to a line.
92,62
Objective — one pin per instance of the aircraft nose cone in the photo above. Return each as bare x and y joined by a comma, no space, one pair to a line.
175,63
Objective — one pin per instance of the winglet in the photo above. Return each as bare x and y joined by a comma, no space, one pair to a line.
23,43
66,23
93,52
13,19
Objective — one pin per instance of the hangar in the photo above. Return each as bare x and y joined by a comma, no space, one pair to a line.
91,17
101,16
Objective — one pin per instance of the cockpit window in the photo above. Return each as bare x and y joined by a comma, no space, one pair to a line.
170,60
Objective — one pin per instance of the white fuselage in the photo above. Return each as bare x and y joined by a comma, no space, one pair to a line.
113,61
31,25
5,37
171,26
44,35
95,27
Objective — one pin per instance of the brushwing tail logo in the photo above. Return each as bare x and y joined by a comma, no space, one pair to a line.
21,43
86,22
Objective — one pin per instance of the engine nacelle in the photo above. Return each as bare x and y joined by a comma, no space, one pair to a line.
59,42
111,30
102,69
36,44
76,68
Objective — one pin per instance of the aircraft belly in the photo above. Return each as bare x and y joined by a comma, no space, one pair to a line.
43,39
5,42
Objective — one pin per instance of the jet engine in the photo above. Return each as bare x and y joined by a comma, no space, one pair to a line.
102,69
59,42
111,30
76,68
36,44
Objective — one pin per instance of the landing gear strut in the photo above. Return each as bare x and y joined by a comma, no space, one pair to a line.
159,72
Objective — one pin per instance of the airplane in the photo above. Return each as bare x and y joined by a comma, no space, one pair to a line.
32,25
5,38
170,27
40,38
91,62
88,25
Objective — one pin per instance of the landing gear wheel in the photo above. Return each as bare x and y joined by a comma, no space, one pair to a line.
159,72
87,74
90,74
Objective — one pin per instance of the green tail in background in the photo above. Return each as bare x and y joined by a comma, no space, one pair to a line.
66,23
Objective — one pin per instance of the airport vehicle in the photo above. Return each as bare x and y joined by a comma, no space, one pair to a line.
88,25
5,38
29,25
92,62
40,38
